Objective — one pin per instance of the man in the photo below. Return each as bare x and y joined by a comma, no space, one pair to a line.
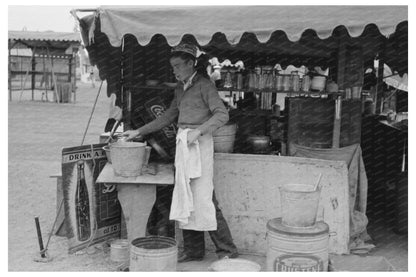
199,110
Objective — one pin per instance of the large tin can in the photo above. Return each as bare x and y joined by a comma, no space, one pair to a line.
297,248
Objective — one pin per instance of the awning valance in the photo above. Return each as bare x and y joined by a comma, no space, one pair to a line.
173,22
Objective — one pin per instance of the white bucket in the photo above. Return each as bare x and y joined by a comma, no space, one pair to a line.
299,204
234,265
127,158
120,251
153,253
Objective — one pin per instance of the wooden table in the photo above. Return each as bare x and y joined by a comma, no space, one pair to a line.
138,194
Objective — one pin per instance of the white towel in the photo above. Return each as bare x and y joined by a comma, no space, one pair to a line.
188,165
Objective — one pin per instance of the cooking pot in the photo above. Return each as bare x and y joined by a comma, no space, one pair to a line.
318,83
259,144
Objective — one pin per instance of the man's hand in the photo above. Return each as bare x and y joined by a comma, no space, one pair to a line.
131,134
193,135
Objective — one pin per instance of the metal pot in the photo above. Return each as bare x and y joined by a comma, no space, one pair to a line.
318,83
259,144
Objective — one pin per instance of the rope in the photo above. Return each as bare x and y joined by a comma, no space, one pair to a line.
54,223
92,112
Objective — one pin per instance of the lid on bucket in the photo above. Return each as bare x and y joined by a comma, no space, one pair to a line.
235,265
276,225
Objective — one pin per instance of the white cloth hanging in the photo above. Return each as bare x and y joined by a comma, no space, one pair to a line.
192,204
188,165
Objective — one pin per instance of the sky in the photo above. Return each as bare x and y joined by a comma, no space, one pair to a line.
42,18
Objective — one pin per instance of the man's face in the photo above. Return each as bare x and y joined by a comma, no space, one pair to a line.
182,70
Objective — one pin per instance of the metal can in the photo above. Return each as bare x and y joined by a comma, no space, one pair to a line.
295,82
279,82
286,82
306,83
239,80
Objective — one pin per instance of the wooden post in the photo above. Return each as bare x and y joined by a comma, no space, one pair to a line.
70,69
21,69
53,76
379,87
74,85
33,73
70,76
336,133
342,53
10,75
45,77
24,84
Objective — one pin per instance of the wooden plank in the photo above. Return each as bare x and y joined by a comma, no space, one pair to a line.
247,188
310,121
164,175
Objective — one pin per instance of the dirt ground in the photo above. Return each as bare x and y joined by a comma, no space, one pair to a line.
37,132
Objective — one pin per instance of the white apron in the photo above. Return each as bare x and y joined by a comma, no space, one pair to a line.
202,218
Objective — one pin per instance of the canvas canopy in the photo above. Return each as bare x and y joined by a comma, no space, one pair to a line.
204,21
140,37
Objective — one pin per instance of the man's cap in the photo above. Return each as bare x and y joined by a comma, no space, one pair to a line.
186,48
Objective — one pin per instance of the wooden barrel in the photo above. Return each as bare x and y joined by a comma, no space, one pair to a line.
297,249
